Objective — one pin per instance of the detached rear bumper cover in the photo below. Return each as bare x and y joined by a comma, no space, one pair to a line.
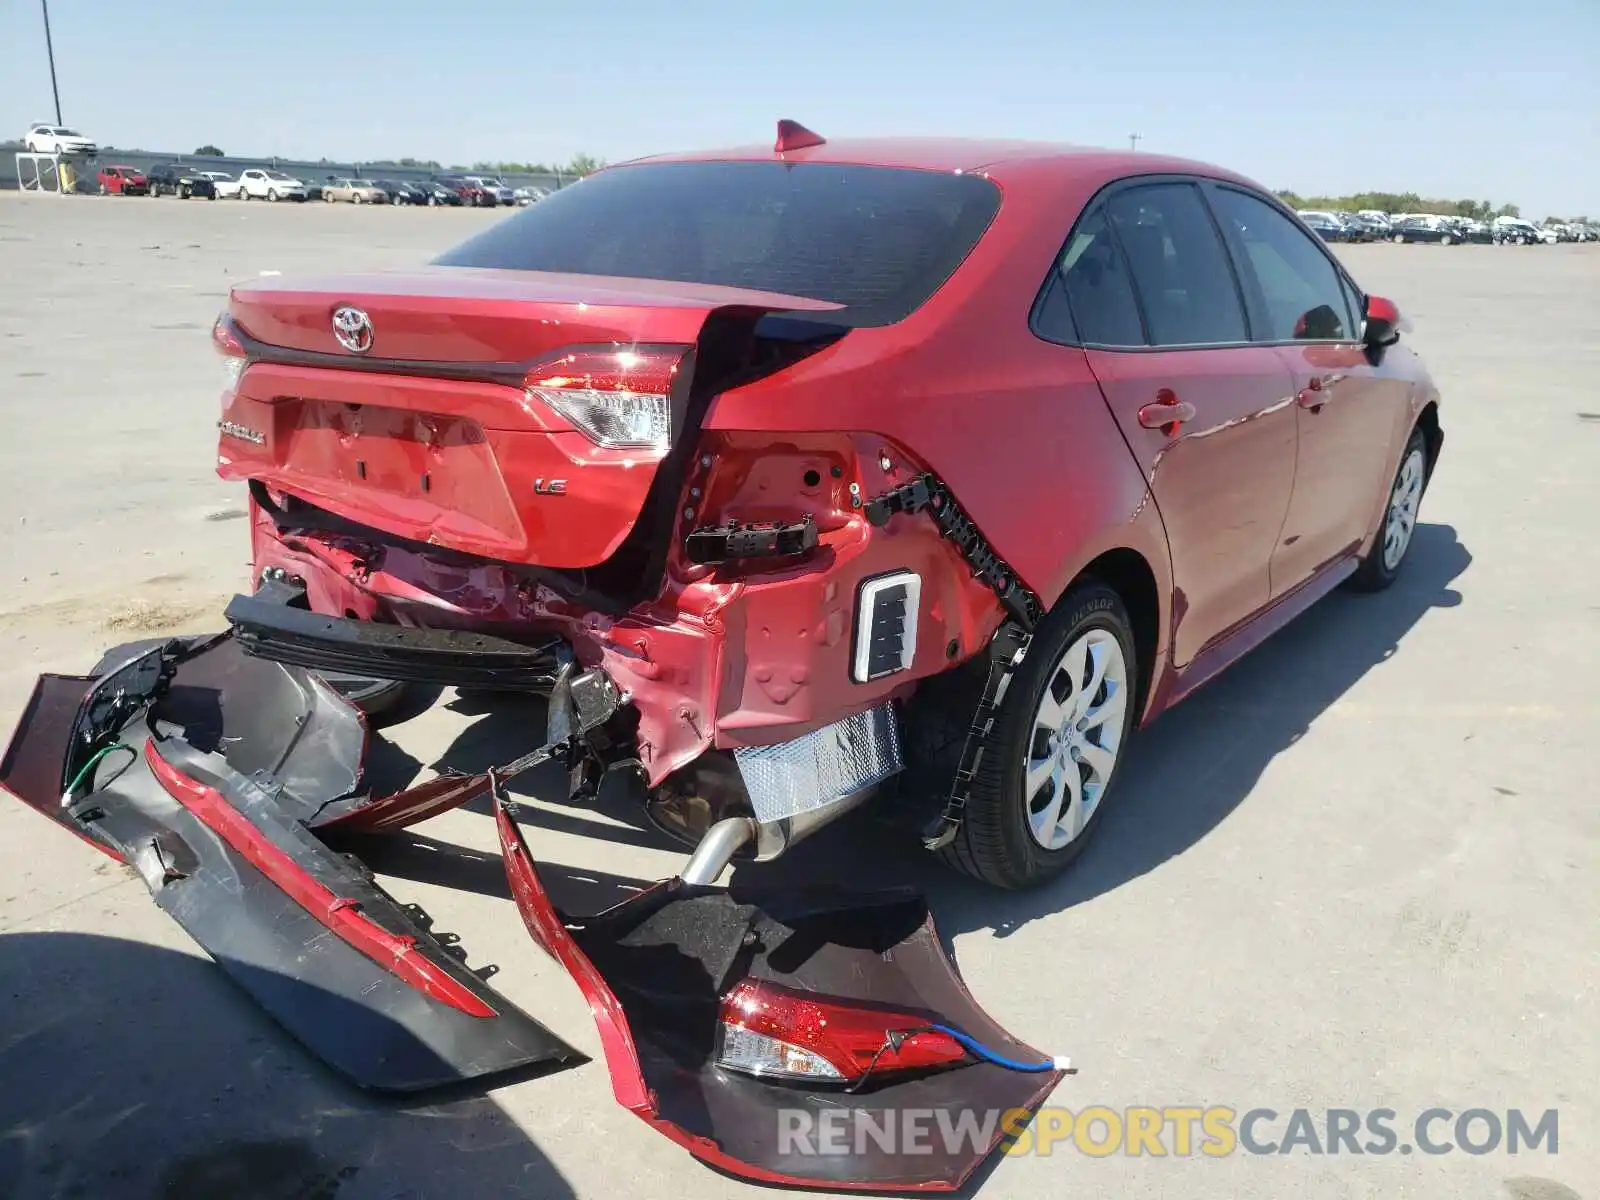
654,968
228,767
229,856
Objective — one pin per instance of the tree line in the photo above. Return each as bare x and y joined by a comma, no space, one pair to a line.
1402,202
1410,202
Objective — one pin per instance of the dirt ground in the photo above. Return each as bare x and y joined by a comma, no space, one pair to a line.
1358,871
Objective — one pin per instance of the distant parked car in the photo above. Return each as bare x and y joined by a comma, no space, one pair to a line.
436,193
356,191
1514,231
123,181
1477,232
529,195
180,181
226,186
57,139
1424,229
1551,234
401,191
259,183
1325,225
499,191
470,190
1355,229
1377,228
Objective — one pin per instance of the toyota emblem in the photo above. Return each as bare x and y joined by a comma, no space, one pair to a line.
353,328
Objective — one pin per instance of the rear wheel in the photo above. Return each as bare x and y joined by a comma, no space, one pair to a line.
376,698
1381,566
1053,754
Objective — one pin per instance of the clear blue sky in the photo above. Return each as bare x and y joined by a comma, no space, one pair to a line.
1455,98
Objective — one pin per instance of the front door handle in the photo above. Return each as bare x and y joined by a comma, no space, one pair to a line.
1167,414
1314,395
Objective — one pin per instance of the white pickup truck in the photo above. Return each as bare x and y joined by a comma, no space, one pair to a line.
259,183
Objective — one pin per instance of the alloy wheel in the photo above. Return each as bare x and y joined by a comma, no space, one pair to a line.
1404,501
1076,736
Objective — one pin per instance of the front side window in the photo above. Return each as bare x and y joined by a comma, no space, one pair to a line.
877,240
1179,266
1297,286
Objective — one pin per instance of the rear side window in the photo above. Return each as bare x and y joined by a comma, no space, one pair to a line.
1300,290
877,240
1098,289
1180,269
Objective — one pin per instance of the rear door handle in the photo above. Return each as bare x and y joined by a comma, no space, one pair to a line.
1167,414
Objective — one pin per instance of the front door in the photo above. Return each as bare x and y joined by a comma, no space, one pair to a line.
1209,416
1350,414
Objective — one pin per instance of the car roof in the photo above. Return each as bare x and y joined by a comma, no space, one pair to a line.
958,154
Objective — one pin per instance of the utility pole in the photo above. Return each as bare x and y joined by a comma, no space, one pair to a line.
1133,140
51,51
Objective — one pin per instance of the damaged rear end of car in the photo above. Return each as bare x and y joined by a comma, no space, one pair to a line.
531,468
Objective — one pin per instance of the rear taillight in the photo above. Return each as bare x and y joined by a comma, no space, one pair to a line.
620,398
775,1033
234,355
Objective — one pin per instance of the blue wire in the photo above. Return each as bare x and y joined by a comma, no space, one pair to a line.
977,1048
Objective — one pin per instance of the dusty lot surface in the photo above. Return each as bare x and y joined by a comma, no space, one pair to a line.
1358,872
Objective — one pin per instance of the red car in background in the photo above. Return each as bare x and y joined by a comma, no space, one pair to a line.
471,192
123,181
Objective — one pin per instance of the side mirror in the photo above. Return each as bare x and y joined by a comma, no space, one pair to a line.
1382,324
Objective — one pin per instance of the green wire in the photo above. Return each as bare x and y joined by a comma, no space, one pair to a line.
87,770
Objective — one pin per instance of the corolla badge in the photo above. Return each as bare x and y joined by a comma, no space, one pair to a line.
353,328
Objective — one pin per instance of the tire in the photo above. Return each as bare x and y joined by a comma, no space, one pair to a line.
1446,240
1382,566
996,842
272,195
1399,239
376,698
433,202
244,193
355,198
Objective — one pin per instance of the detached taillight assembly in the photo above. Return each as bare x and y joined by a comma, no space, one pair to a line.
773,1033
620,397
234,356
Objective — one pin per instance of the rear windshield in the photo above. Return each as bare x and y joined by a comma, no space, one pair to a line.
877,240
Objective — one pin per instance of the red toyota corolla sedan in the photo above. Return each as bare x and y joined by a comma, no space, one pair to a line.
939,461
795,477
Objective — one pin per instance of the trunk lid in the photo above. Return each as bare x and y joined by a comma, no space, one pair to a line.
411,413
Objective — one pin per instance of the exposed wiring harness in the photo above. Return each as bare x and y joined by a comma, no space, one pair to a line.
87,770
896,1038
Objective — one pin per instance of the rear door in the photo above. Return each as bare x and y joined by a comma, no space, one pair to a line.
1208,414
1349,413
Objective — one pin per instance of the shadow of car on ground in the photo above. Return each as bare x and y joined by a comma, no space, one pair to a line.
135,1071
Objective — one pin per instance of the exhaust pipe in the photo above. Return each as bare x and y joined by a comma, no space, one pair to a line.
795,788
